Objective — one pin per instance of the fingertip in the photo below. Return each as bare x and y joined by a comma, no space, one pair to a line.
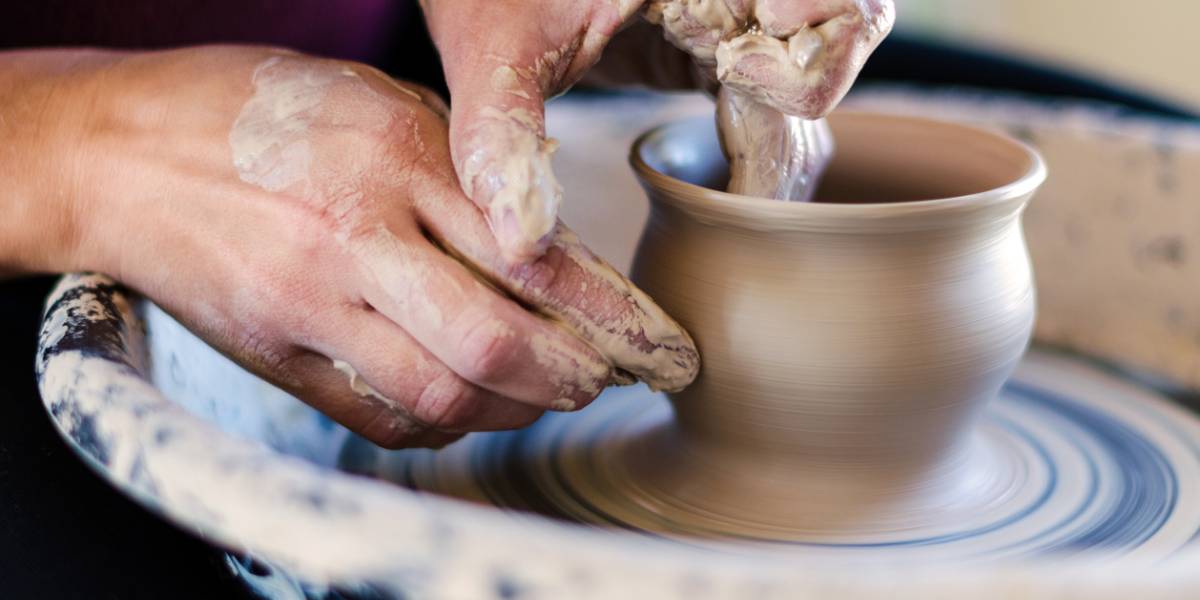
593,383
579,394
579,371
523,229
499,147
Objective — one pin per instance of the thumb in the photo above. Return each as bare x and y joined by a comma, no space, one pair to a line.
502,59
502,158
498,81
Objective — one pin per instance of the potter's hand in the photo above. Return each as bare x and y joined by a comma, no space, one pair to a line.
797,56
303,217
503,58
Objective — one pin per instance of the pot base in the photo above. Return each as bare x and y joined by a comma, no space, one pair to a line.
645,476
1067,457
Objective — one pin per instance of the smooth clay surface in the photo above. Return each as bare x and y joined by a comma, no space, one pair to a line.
1113,233
848,346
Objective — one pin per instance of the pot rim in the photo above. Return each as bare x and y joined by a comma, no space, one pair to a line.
768,214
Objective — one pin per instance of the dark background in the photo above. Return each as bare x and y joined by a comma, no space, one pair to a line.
64,532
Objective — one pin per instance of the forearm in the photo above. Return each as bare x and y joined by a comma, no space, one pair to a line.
44,112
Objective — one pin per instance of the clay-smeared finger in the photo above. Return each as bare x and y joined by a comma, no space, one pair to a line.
484,337
797,57
573,286
381,360
500,66
317,381
502,160
498,144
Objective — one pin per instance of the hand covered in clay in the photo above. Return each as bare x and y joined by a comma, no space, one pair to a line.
303,216
504,58
797,56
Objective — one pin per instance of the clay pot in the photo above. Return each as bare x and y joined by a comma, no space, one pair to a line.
848,345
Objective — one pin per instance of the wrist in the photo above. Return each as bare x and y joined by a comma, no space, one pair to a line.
45,104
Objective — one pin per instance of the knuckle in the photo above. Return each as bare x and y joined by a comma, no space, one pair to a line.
446,402
487,349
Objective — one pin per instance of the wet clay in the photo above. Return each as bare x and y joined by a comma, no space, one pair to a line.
782,68
770,154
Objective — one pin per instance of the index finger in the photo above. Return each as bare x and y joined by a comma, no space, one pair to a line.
575,287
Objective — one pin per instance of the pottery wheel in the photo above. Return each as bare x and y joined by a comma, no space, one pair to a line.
1068,457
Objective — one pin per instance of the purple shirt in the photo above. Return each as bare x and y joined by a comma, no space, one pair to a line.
373,31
